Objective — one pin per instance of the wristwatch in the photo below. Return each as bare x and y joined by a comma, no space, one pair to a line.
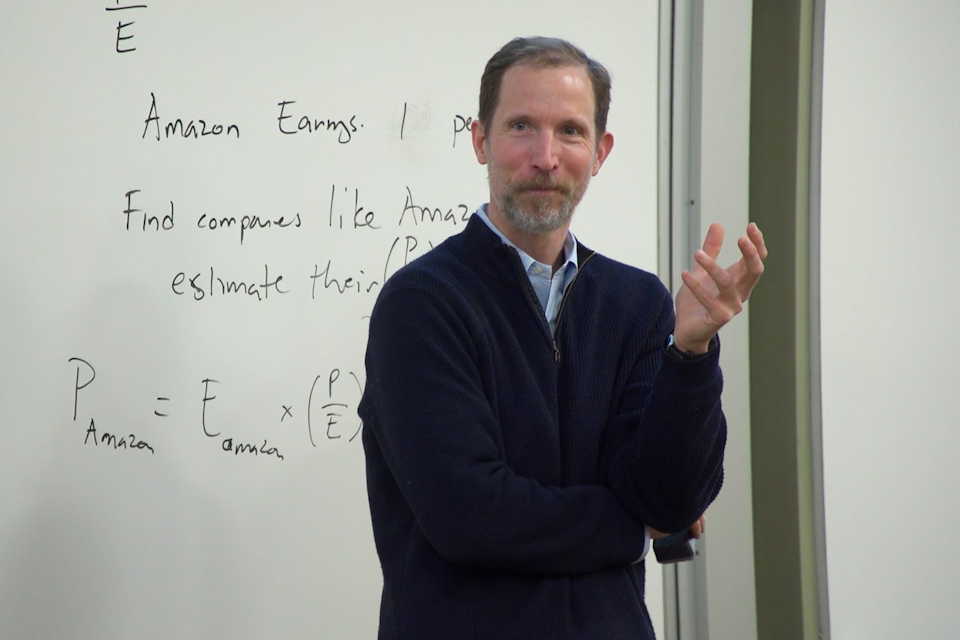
686,356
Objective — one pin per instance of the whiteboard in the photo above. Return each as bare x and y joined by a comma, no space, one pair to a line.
200,202
889,261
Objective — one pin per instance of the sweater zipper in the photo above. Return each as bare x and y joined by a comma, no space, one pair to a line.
563,302
532,297
534,301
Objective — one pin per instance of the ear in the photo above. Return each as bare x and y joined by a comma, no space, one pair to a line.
604,147
479,137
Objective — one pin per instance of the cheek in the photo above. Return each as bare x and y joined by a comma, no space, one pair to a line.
510,156
581,164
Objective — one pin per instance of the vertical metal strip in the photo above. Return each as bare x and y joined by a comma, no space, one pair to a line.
664,143
666,112
695,122
680,140
685,590
816,414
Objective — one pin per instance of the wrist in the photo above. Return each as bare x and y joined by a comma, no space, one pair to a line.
689,351
696,348
690,347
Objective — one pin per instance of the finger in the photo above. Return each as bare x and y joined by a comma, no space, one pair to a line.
751,255
713,242
729,287
752,258
717,273
756,236
654,534
696,529
753,268
720,308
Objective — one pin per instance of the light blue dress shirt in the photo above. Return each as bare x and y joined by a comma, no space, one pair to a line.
548,286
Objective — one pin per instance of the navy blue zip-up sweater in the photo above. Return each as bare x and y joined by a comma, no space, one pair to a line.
510,472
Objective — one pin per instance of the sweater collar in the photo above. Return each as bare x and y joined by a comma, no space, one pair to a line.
487,250
569,244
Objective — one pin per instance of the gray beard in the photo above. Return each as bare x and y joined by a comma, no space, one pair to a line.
544,218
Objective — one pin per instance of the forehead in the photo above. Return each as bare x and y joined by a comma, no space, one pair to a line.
564,89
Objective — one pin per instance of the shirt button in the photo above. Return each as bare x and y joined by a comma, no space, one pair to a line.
537,269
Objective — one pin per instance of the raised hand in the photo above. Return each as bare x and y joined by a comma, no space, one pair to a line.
711,295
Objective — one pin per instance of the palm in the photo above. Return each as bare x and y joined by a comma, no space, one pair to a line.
711,295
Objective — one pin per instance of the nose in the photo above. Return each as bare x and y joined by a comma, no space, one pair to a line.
545,156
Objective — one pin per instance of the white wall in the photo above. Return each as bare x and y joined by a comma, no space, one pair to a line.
889,258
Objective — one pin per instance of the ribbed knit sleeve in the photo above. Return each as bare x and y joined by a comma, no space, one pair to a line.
429,415
670,467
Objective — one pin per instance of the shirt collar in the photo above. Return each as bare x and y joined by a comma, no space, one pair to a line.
569,245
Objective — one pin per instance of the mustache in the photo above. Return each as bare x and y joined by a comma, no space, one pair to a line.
543,181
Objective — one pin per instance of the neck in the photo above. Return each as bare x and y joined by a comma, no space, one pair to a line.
542,247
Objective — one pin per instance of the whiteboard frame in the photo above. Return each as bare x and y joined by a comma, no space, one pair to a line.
813,279
680,101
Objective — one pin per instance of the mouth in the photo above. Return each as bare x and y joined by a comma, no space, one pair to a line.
542,190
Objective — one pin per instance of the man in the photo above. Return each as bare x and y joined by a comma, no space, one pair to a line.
533,411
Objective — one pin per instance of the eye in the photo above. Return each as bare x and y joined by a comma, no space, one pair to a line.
572,131
519,126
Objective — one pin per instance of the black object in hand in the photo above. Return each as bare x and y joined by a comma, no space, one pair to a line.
678,547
